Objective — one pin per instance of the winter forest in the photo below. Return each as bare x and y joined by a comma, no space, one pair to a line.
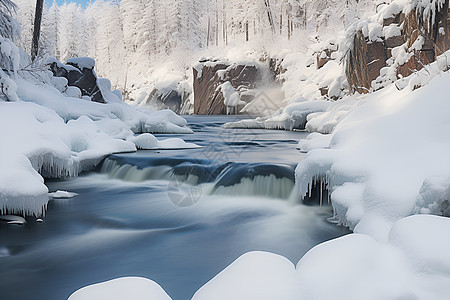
141,34
225,149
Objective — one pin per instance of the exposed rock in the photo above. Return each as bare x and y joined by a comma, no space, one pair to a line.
209,76
397,19
376,59
394,41
276,69
80,75
325,55
357,63
443,31
163,100
208,100
422,40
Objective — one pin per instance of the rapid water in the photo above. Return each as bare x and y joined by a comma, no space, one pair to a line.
177,217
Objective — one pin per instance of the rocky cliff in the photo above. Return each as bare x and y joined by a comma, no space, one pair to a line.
401,41
210,80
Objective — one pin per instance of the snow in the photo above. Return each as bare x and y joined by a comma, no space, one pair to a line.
147,141
82,62
392,31
407,265
254,275
293,116
375,164
230,95
122,288
50,135
176,143
62,195
73,91
105,88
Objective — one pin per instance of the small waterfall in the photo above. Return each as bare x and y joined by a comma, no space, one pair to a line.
266,186
233,179
132,173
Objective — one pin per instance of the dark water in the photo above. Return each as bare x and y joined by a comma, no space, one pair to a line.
132,219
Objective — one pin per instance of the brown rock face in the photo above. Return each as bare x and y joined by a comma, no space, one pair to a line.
323,57
365,60
208,98
443,31
276,69
376,59
364,63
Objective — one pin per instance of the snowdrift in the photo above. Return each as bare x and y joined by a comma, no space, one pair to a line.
408,265
46,134
386,153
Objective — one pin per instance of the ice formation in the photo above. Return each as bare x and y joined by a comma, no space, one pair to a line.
47,134
379,155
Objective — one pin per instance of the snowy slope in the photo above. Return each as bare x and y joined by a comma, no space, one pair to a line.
48,134
385,153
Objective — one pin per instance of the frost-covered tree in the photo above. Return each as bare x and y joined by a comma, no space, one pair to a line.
139,33
132,13
48,44
25,16
71,31
9,53
109,40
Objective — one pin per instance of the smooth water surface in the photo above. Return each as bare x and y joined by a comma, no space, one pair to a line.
131,218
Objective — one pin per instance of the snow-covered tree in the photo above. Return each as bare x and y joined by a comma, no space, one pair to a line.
109,40
48,44
9,52
25,16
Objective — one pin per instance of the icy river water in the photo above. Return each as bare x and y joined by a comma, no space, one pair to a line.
177,217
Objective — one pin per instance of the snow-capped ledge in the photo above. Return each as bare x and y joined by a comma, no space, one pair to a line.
384,152
49,135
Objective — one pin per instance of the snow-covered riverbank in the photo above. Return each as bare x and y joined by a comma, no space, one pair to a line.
386,160
47,134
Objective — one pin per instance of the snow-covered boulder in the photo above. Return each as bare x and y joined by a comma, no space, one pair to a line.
135,288
79,72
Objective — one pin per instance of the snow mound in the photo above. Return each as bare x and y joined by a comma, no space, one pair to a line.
62,195
411,263
49,135
254,275
147,141
293,116
82,62
135,288
380,155
176,143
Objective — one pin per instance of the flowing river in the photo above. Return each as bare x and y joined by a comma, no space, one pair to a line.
177,217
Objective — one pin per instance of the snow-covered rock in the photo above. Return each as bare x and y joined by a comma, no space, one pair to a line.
62,195
411,263
51,135
135,288
380,157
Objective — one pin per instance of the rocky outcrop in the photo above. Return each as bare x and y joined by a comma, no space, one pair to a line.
325,55
209,76
165,100
79,73
364,63
407,43
277,70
